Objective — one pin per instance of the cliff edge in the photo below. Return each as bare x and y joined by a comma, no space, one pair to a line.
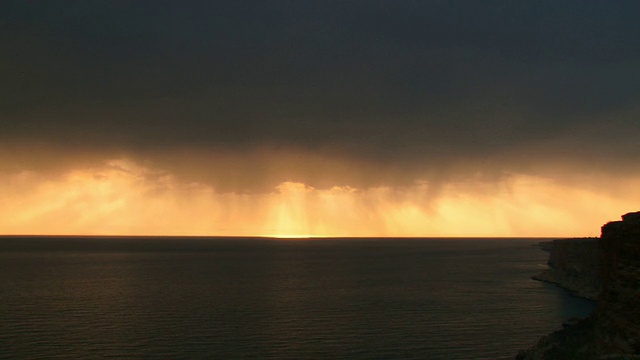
618,313
613,330
573,265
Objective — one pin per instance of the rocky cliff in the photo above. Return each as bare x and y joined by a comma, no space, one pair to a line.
573,265
613,330
617,325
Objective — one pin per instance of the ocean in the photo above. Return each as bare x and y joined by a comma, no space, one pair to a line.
253,298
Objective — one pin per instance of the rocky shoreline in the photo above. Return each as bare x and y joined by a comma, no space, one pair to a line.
612,274
574,266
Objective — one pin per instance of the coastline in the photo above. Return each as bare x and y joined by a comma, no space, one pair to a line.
559,280
605,269
573,266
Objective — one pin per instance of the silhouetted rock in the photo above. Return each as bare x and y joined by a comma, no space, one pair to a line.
618,312
612,332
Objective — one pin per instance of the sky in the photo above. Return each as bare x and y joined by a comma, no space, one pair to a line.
318,118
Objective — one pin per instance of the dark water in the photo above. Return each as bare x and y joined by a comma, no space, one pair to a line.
256,298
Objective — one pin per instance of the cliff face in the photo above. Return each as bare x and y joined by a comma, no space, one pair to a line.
618,313
574,265
613,330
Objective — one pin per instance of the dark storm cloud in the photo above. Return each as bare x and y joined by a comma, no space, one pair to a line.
419,84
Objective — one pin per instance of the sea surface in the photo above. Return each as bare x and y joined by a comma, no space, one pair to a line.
252,298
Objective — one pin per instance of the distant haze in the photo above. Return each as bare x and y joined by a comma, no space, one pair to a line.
325,118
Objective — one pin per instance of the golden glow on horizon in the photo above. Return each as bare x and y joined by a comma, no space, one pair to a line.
291,236
124,198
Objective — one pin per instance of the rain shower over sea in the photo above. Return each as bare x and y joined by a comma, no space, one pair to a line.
257,298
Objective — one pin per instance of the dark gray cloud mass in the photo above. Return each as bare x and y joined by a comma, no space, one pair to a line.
412,86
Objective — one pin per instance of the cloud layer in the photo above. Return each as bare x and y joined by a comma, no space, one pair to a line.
243,98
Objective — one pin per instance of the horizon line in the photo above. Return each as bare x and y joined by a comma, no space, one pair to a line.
287,237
